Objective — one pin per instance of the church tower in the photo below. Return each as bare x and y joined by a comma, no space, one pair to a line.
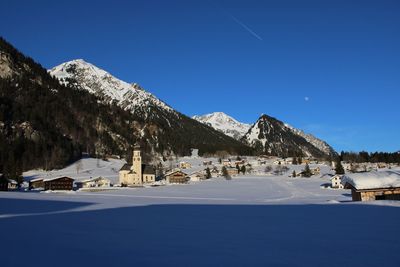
137,163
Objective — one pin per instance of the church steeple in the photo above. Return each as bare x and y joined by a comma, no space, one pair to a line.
137,160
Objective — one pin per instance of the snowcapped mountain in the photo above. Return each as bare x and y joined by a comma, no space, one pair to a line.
224,123
164,129
109,88
273,136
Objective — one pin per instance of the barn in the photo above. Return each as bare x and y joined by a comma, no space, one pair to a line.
370,186
59,183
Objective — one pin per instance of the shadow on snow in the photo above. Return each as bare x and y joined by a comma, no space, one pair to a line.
203,235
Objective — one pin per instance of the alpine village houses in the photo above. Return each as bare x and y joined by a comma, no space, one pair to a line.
136,174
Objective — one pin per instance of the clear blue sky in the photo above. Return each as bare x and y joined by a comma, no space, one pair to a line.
240,57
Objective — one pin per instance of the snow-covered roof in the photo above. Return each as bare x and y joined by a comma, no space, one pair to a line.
36,180
372,180
93,180
55,178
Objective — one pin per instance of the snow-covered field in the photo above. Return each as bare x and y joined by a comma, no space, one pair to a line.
247,221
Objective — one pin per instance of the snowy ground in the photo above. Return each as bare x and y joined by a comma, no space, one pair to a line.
248,221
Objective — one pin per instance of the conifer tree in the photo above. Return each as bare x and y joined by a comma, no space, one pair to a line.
307,171
339,168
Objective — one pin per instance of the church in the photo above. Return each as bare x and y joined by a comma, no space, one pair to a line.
136,174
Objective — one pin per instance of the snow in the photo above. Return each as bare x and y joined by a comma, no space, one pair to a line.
371,180
224,123
102,83
247,221
83,169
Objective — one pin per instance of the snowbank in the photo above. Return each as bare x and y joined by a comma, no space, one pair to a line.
371,180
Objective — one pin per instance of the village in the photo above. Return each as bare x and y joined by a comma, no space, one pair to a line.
382,179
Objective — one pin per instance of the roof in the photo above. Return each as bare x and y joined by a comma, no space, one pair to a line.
36,180
175,171
56,178
93,180
136,146
372,180
148,169
126,167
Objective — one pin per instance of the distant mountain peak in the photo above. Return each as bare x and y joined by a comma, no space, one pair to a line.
271,135
99,82
224,123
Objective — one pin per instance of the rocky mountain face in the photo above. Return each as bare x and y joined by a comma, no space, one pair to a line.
224,123
272,136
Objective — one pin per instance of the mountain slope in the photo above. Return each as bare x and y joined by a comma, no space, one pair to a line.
224,123
44,124
163,128
269,135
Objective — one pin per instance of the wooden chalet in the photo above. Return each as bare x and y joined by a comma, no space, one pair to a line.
59,183
37,183
176,177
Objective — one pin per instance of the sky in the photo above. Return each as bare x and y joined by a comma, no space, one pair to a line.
331,68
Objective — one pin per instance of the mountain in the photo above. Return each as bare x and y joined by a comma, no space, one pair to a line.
224,123
47,124
109,89
272,136
164,129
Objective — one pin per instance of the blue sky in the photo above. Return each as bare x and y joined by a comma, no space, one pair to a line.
331,68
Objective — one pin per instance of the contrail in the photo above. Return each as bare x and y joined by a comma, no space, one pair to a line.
245,27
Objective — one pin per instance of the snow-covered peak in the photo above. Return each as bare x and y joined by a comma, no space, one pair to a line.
101,83
224,123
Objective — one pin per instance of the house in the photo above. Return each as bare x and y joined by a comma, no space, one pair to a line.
37,183
7,184
316,171
232,171
197,176
59,183
369,186
226,162
12,184
136,174
185,165
94,182
176,177
336,181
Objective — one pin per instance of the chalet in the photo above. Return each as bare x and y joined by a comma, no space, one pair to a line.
185,165
336,181
94,182
197,176
59,183
136,174
37,183
176,177
369,186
